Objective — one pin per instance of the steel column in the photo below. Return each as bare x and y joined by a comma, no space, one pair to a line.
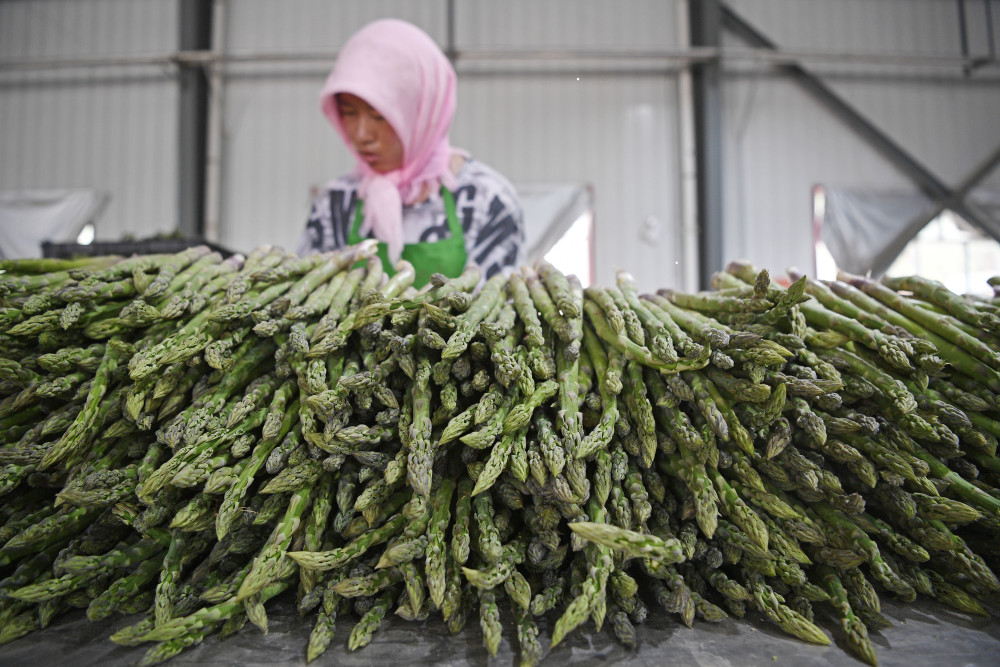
706,31
195,35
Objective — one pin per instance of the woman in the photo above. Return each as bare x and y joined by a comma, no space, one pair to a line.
391,96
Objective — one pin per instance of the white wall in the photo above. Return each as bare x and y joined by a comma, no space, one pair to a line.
616,128
779,142
113,128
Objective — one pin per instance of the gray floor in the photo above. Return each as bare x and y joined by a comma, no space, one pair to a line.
925,633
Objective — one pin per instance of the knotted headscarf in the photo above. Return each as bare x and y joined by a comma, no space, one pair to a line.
398,69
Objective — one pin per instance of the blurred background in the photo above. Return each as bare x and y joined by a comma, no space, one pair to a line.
663,137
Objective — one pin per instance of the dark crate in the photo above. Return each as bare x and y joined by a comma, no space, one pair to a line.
153,246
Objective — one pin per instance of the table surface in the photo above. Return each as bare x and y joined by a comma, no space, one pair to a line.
924,633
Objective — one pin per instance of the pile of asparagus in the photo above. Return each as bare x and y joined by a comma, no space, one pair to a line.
186,437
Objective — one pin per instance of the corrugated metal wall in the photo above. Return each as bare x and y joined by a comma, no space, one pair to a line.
615,130
602,118
107,128
779,142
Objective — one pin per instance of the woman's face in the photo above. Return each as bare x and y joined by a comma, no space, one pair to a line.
370,134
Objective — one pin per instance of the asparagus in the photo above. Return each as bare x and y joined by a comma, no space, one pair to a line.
335,427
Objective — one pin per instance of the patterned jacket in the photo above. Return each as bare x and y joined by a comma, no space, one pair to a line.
485,202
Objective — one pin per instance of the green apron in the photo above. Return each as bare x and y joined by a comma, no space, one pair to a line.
446,256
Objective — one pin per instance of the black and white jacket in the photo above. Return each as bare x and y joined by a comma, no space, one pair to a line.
485,202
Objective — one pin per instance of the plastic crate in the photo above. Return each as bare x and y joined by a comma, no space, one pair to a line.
152,246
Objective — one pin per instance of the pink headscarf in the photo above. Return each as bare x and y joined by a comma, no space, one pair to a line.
399,70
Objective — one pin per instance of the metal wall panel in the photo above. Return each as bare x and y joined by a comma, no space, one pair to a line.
616,129
107,128
300,25
76,28
610,25
780,143
277,147
617,134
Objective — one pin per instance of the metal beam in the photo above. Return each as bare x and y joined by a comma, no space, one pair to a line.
930,184
592,58
706,31
195,35
882,261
